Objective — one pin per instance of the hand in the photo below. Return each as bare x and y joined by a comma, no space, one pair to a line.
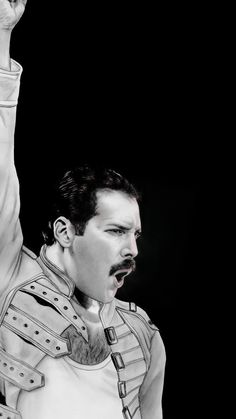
10,13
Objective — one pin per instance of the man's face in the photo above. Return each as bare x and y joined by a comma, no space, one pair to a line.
105,252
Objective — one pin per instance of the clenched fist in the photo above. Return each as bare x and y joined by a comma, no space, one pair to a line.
10,13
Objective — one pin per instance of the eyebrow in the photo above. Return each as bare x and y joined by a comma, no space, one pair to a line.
122,227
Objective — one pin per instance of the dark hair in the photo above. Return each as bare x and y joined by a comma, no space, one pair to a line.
74,197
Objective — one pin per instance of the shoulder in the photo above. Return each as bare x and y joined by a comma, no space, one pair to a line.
137,312
140,324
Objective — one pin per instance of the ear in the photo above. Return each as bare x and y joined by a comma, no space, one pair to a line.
64,231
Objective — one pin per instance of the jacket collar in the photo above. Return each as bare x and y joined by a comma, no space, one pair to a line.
59,279
107,312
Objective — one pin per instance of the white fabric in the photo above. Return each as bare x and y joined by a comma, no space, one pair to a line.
73,391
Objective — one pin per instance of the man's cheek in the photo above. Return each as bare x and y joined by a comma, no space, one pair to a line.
101,249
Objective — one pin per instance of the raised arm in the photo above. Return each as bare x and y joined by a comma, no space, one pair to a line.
10,71
10,13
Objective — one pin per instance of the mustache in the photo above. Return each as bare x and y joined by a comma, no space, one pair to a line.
125,264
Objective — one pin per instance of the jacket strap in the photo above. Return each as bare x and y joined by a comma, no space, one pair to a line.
19,373
8,413
33,331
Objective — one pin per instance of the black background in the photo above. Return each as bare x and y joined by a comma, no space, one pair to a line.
123,88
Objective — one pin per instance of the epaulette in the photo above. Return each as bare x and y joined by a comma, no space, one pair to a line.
137,311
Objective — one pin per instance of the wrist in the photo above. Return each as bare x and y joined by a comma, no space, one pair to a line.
5,38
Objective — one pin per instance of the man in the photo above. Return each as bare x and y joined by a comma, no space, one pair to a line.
68,347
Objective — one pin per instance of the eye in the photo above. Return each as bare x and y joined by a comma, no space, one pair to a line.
137,234
116,231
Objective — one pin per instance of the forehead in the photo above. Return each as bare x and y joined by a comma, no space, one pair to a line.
117,206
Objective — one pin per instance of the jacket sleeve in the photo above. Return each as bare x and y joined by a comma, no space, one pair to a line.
10,230
152,387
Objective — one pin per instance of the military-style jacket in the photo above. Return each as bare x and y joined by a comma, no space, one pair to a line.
35,304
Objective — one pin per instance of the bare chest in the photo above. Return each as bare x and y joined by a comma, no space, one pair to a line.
87,353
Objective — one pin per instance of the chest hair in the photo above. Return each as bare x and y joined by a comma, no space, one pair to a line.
87,353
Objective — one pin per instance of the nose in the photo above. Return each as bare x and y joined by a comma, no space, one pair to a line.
130,249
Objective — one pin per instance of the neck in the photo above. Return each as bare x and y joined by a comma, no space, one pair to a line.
55,255
86,302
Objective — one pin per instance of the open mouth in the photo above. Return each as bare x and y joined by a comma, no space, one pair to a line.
120,275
